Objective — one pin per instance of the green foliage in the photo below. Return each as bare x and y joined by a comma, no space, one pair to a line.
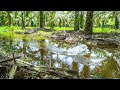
105,30
62,28
12,28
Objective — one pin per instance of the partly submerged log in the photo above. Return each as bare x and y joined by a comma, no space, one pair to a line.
9,59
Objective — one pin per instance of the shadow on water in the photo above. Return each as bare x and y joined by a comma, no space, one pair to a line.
90,62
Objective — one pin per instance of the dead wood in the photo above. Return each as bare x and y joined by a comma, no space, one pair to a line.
9,59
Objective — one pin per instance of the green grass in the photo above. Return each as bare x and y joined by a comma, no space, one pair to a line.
105,30
9,31
12,28
45,34
61,28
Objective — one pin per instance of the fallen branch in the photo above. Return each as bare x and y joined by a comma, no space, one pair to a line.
9,59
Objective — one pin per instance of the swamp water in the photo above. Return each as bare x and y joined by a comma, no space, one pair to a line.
90,62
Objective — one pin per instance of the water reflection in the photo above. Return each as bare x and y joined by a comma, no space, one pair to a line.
75,66
85,72
87,60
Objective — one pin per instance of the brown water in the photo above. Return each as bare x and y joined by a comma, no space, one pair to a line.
90,62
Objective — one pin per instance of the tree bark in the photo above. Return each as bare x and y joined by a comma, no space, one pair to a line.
116,22
60,23
23,19
41,19
9,18
76,24
89,23
81,20
15,18
2,19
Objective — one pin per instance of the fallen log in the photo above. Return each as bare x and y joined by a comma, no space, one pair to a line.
9,59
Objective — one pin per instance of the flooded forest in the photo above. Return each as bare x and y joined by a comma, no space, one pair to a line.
59,45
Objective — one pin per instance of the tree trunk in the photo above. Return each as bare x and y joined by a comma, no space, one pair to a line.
116,22
76,24
9,18
15,18
44,19
2,19
23,19
81,20
41,19
103,23
89,23
60,23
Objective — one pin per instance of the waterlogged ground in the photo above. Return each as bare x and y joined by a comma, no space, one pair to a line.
90,62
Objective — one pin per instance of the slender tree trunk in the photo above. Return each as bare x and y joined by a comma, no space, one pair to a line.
81,20
15,18
103,23
9,18
2,19
76,24
44,19
41,19
52,21
89,23
23,19
116,22
60,23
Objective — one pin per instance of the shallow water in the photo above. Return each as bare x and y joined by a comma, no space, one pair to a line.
90,62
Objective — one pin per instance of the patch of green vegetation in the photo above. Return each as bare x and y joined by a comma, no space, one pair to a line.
45,34
61,28
12,28
10,31
9,34
40,38
105,30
